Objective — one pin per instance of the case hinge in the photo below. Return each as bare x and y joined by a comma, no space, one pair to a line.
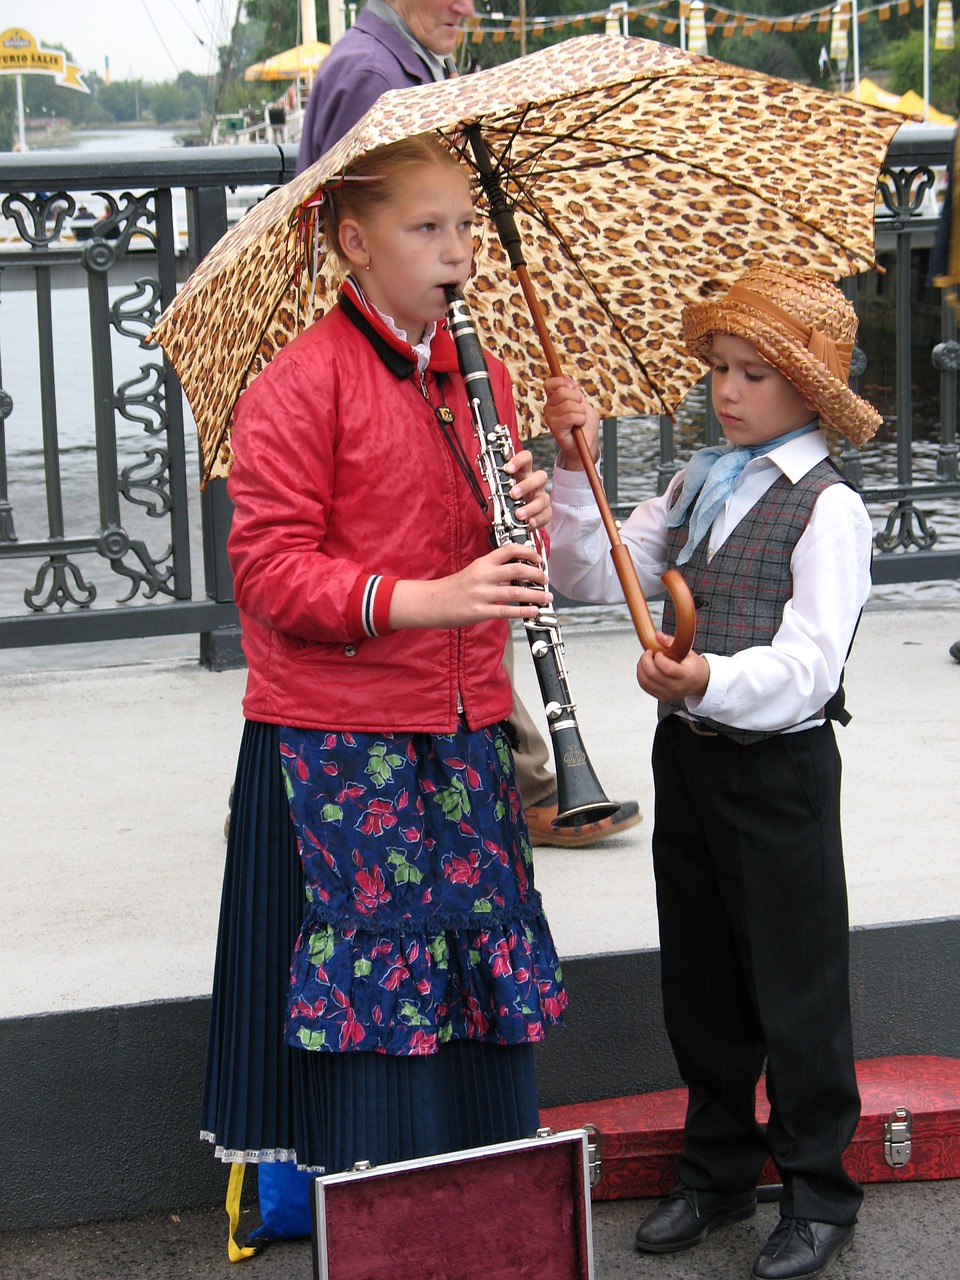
594,1153
897,1133
594,1162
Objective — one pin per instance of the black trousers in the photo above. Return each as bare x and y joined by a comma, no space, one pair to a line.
754,940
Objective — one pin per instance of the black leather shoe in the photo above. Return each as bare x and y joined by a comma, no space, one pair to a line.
802,1250
688,1216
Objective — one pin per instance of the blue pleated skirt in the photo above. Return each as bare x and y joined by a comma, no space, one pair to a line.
266,1100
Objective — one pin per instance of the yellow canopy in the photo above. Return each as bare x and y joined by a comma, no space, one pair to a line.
868,91
301,61
910,103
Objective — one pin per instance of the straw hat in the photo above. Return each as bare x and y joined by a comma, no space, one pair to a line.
800,323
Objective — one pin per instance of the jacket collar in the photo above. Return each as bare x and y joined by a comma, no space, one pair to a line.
391,37
436,65
396,354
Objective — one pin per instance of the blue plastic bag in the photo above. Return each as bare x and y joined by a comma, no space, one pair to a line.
284,1201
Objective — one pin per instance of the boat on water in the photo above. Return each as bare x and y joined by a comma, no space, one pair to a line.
281,120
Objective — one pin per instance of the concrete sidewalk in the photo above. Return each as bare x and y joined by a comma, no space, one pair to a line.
905,1232
113,793
115,781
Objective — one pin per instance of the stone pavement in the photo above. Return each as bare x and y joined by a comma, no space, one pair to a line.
905,1232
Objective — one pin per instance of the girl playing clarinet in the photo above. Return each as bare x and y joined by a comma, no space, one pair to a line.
384,964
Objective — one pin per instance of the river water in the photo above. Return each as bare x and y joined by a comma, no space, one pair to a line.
19,366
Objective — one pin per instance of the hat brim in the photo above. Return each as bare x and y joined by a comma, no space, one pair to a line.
837,406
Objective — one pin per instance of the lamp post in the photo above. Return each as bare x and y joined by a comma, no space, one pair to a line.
21,121
855,28
615,23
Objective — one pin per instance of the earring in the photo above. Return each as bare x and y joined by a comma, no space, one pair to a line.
367,266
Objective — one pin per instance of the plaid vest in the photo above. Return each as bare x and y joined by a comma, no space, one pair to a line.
740,594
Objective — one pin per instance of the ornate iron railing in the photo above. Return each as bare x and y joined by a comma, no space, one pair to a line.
140,520
162,211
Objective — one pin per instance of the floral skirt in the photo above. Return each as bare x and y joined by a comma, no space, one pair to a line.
422,922
265,1100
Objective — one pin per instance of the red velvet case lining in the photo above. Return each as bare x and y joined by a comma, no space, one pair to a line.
507,1215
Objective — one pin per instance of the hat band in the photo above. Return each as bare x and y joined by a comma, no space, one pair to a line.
834,356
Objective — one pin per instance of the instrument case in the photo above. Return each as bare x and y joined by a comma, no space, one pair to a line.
506,1212
909,1129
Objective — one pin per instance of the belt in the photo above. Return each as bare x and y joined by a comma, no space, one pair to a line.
694,727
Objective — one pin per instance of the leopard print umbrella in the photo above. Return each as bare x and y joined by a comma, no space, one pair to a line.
642,177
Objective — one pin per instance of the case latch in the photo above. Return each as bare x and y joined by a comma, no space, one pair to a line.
897,1133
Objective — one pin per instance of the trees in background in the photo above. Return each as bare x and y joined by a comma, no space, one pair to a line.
892,48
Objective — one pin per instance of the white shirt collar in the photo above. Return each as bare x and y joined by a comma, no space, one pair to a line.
797,456
422,349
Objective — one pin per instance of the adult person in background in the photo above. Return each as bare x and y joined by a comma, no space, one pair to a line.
392,45
395,44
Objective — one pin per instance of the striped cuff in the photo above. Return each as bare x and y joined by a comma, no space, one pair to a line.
368,608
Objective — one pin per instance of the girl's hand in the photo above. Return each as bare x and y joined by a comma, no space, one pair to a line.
567,407
670,681
530,489
505,583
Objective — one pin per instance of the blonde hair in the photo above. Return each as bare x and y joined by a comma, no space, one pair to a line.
370,181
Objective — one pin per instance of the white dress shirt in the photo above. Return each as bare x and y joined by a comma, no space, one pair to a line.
767,687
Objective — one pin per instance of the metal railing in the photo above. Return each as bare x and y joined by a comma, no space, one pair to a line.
162,211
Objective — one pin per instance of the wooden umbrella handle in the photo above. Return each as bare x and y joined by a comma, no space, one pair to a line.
622,561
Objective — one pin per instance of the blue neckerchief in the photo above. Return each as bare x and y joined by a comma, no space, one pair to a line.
709,479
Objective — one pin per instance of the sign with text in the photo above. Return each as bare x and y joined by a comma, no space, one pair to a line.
20,54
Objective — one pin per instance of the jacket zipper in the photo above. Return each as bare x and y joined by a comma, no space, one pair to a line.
422,377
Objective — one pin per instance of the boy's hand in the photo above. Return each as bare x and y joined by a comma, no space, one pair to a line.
567,407
670,681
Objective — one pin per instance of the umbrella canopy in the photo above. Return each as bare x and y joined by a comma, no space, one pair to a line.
641,177
301,61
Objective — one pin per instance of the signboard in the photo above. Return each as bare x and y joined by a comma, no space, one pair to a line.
20,54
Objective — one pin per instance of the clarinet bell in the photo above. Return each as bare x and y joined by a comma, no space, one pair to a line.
580,797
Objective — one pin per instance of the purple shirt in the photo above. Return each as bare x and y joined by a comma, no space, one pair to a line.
366,61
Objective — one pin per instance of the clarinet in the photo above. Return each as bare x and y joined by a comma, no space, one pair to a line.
580,797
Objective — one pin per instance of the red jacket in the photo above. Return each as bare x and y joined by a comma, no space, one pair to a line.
342,483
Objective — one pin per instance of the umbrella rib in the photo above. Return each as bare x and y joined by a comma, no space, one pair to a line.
536,171
572,258
562,241
522,184
612,319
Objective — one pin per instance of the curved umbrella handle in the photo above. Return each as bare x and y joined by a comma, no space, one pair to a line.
673,579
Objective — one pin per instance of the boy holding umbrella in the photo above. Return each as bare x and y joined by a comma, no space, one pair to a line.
751,893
